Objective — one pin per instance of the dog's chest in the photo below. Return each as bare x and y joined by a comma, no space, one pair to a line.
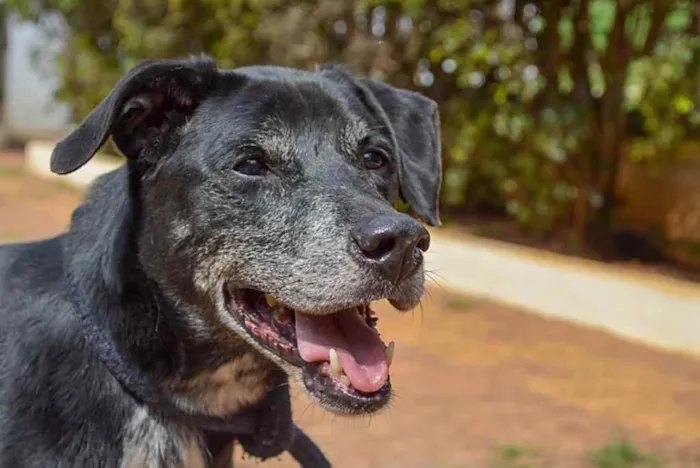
153,443
225,390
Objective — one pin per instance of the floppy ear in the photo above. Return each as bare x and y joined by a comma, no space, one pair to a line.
415,122
416,125
141,114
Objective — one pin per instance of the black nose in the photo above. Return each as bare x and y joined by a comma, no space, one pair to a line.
393,244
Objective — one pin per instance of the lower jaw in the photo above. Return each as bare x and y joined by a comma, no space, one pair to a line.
329,392
338,400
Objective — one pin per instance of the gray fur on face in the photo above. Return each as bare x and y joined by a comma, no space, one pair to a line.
287,235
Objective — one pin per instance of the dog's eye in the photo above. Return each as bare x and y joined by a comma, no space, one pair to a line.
251,167
374,159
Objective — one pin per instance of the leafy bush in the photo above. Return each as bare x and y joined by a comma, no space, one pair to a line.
539,99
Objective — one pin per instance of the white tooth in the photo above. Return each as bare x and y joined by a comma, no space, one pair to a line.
389,353
336,366
271,301
344,380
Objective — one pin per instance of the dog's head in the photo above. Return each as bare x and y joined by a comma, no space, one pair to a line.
267,200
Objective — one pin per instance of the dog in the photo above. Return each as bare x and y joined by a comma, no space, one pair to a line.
241,243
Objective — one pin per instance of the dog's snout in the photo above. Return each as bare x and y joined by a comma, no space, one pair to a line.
392,244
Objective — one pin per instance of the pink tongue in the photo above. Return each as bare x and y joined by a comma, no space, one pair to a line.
361,352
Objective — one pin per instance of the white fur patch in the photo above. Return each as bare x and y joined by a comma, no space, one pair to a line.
151,443
181,229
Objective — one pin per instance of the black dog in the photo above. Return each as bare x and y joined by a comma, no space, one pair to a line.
249,230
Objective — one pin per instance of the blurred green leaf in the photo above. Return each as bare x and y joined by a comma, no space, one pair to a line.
530,99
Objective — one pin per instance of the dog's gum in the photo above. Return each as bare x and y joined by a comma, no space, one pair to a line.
324,370
282,315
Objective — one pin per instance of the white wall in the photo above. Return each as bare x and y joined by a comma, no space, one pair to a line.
30,111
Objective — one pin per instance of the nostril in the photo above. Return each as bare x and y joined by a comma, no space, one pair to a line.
392,245
424,244
380,249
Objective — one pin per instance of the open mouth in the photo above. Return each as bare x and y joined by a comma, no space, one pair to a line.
344,362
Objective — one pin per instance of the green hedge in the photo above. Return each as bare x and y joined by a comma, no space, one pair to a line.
537,100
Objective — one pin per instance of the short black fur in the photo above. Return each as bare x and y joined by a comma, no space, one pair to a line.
114,334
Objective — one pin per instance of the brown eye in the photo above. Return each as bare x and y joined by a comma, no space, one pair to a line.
252,167
374,159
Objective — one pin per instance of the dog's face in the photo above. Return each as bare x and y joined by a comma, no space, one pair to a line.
268,200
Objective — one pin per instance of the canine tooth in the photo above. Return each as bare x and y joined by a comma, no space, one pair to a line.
271,301
390,353
336,366
344,380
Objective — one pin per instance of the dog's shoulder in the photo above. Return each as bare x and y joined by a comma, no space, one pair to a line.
52,383
31,266
49,384
32,287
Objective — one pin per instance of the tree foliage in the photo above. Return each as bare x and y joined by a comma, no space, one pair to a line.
541,100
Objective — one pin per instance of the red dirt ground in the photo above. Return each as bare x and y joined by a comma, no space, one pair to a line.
470,376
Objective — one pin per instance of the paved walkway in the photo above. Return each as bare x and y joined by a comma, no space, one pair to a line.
470,376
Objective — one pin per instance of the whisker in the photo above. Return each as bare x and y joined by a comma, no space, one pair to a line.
432,274
285,384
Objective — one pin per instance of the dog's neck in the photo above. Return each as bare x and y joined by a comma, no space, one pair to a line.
128,322
99,240
143,326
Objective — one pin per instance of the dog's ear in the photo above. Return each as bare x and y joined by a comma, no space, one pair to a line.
415,122
416,125
141,114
